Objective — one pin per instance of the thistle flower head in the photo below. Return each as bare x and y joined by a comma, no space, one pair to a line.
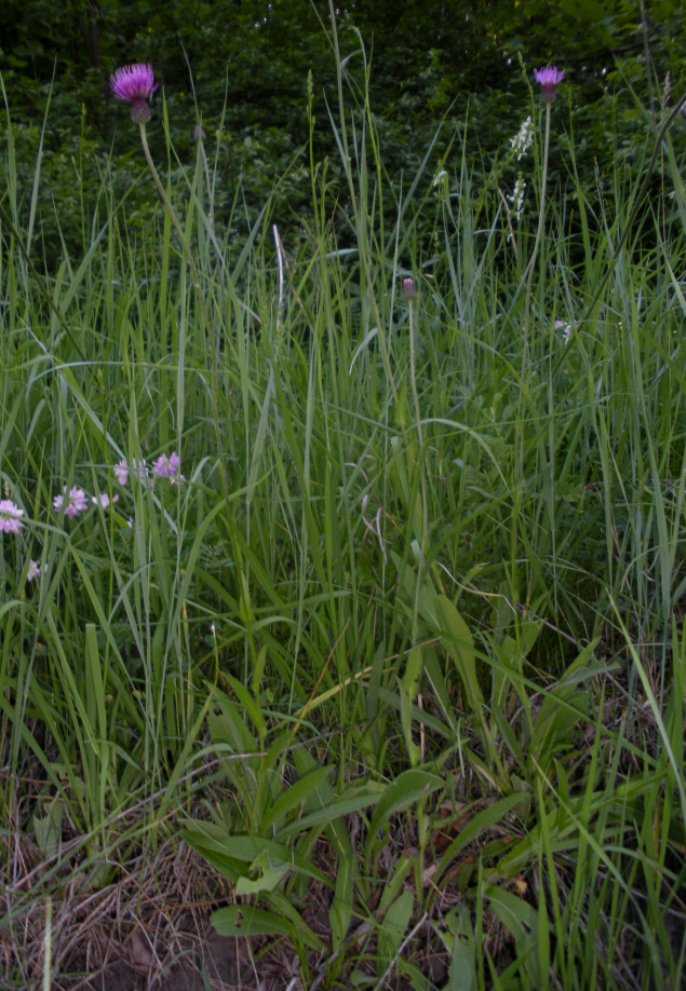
409,287
548,80
135,84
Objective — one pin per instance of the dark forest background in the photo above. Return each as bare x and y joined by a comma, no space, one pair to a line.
240,68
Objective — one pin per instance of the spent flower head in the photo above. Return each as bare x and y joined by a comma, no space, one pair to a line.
135,84
34,571
548,79
10,516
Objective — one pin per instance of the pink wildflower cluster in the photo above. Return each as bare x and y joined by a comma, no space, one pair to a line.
122,469
166,466
10,516
74,503
103,500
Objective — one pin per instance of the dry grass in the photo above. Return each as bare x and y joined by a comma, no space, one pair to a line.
148,928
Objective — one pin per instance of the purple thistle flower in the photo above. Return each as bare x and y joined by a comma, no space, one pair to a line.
548,80
10,516
167,467
135,84
76,502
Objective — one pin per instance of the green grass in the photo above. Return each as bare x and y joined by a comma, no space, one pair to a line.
406,642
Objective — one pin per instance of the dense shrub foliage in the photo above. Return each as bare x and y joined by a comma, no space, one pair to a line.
240,69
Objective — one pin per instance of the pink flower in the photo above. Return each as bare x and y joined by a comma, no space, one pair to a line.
34,571
409,287
121,472
135,84
548,80
76,502
122,468
167,467
10,516
103,500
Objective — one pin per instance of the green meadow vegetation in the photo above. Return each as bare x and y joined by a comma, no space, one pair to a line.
371,650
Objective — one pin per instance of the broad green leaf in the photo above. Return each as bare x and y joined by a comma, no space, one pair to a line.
409,787
566,703
393,926
460,646
409,686
521,920
249,705
301,933
269,874
299,794
355,800
236,852
341,909
227,726
248,920
480,823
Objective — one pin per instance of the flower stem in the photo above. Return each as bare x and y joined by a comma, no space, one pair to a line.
167,204
541,210
207,321
528,282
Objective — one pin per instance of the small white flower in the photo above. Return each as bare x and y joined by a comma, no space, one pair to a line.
517,197
34,571
103,500
523,139
566,329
